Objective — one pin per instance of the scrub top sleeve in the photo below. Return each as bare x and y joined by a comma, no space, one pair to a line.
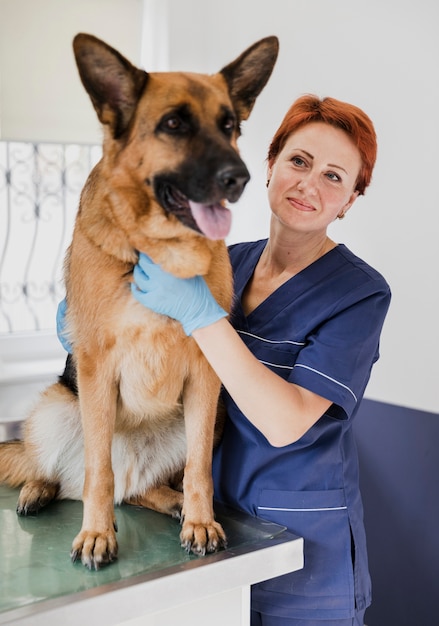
338,357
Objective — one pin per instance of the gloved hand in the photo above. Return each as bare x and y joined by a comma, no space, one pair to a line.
187,300
61,326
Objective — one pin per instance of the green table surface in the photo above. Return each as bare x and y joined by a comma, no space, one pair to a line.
34,551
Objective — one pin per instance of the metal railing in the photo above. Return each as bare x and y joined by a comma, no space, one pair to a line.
40,184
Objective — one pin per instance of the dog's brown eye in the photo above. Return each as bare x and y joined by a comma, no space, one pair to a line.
228,125
176,122
173,123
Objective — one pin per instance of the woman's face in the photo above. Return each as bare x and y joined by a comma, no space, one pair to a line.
312,181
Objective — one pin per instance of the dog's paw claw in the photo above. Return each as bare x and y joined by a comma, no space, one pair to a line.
74,554
94,549
187,545
92,562
201,539
200,550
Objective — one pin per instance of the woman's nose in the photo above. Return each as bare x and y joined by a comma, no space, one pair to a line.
308,182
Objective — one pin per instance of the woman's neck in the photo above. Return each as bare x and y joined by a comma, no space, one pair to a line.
290,254
280,260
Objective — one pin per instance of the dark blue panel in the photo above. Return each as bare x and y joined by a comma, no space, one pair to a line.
399,460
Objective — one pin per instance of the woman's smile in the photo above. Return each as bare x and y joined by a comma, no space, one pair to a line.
301,205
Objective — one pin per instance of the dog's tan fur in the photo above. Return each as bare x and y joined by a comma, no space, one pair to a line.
122,437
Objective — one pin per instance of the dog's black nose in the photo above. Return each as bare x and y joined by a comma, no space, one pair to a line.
232,181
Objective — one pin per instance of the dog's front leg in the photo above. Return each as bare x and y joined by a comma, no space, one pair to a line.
200,532
96,543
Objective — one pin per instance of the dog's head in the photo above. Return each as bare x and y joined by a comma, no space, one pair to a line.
170,138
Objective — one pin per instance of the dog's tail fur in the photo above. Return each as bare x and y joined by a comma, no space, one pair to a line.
14,467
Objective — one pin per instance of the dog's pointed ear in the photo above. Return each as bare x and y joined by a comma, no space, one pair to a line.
112,82
249,73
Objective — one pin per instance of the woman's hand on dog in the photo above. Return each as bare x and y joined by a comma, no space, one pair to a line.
187,300
61,326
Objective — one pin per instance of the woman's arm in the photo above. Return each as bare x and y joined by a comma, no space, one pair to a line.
282,411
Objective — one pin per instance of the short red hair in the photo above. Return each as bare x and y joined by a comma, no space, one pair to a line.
347,117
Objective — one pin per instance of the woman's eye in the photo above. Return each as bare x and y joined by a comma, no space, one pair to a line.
333,176
298,161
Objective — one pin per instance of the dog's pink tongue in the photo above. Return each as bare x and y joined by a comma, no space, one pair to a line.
214,220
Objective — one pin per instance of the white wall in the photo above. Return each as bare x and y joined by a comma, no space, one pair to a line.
384,57
41,96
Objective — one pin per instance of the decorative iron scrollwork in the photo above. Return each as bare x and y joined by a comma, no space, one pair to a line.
40,184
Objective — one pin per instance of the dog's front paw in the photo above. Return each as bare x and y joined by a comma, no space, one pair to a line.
202,538
94,549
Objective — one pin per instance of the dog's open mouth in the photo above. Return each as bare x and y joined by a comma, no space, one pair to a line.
212,220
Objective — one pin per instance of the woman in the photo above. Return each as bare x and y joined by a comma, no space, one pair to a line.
294,360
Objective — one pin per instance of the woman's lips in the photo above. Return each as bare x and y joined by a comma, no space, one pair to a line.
300,204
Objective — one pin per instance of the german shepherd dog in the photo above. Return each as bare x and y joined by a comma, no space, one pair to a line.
132,417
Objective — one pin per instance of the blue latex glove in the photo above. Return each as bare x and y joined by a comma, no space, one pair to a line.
187,300
61,326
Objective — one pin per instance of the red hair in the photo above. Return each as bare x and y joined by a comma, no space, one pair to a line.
349,118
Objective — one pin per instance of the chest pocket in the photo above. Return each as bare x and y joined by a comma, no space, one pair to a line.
327,579
279,355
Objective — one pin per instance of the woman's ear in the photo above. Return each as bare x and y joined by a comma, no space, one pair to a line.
348,205
351,201
269,169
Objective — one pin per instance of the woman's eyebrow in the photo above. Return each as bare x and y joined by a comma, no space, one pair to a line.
307,153
310,156
338,167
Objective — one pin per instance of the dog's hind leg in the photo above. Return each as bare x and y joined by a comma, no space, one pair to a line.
17,469
163,499
34,495
14,466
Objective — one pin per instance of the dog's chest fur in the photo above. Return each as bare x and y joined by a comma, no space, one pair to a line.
145,354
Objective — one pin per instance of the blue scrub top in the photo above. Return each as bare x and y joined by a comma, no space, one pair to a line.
319,330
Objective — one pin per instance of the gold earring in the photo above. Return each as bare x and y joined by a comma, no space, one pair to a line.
341,216
267,183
